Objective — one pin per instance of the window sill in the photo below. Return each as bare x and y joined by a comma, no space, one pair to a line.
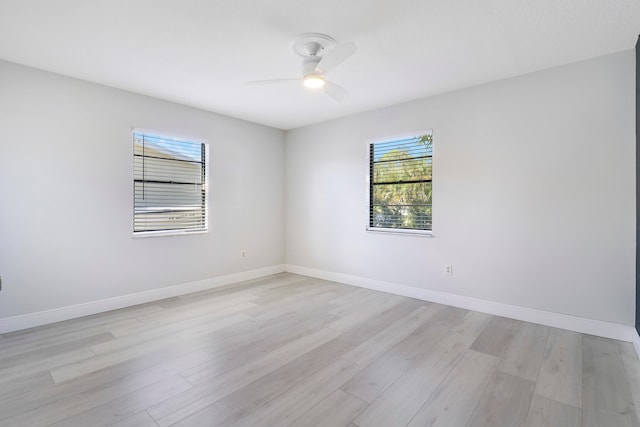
145,234
419,233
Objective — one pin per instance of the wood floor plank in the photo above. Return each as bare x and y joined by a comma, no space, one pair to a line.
350,295
371,349
252,287
632,370
606,394
92,364
473,324
227,354
337,410
311,303
310,306
52,404
254,329
140,419
505,402
185,313
455,398
17,388
364,314
59,361
369,384
381,319
359,300
73,340
269,362
524,354
294,402
597,416
560,375
238,404
285,295
628,350
213,389
398,404
76,328
546,412
127,405
197,306
48,351
496,336
173,329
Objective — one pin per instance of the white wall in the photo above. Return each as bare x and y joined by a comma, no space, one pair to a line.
534,193
66,173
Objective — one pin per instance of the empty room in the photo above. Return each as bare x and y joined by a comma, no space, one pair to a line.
295,213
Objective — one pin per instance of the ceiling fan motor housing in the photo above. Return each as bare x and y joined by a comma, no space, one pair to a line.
309,45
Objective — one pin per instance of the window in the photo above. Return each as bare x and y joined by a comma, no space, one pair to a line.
400,184
170,185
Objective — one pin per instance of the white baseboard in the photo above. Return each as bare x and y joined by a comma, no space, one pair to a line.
563,321
25,321
635,340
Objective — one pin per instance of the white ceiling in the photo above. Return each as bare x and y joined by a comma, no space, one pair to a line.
202,52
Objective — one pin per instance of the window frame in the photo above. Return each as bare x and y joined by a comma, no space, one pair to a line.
369,186
206,165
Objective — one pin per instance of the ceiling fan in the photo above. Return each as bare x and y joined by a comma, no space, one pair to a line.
320,54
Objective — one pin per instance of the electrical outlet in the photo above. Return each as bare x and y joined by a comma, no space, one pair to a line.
243,254
448,269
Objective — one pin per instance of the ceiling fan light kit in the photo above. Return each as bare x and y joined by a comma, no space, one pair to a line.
320,54
313,82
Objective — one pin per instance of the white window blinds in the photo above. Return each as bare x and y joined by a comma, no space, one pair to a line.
170,191
400,183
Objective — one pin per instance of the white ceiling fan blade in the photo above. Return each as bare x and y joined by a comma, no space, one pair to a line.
335,57
272,81
336,92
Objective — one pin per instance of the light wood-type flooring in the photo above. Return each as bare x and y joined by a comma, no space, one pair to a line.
288,350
